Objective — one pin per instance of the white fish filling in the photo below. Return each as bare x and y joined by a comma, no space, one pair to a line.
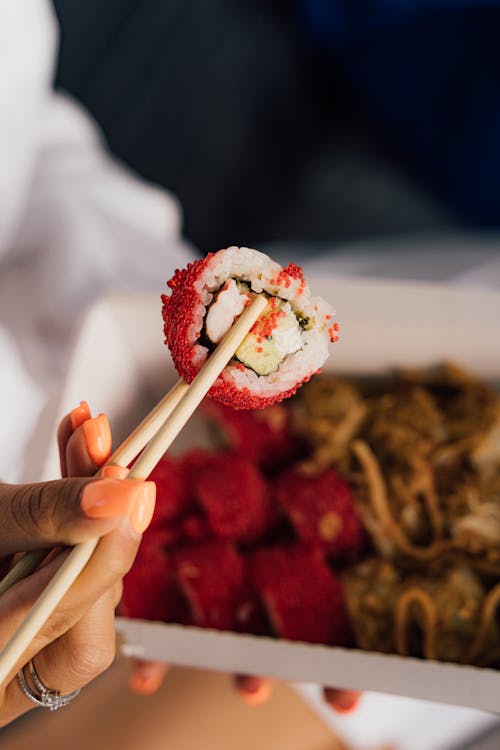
263,353
257,271
230,303
287,336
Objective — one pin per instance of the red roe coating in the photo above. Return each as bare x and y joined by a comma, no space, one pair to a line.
303,599
265,325
195,527
321,511
264,437
243,398
213,578
235,498
287,274
173,493
150,589
179,318
178,315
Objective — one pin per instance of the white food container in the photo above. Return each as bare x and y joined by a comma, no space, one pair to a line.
121,366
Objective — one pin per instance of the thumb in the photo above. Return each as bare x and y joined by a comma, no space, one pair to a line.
67,511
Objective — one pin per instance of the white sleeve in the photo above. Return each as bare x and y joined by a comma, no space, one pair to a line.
89,225
73,222
27,52
21,401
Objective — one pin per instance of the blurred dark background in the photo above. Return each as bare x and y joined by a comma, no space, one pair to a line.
318,120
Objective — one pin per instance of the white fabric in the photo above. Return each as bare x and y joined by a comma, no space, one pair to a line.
73,223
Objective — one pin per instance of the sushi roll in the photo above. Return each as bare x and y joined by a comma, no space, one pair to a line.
303,598
284,348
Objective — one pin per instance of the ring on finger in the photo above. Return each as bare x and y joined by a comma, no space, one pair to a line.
29,681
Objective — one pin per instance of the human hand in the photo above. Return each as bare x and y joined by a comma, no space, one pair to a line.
78,641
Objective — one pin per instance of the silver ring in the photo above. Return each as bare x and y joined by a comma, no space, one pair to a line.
47,698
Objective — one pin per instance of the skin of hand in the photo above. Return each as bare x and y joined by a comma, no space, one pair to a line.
146,677
77,642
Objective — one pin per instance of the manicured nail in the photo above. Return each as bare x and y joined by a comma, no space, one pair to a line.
143,509
254,690
342,701
106,498
97,435
144,683
79,415
112,471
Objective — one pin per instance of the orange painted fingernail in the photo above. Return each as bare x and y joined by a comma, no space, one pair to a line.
112,471
105,498
142,512
142,684
254,690
97,434
342,701
79,415
145,684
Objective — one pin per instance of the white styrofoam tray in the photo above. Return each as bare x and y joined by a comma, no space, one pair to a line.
121,366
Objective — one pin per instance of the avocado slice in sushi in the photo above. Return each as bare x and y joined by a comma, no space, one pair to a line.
276,335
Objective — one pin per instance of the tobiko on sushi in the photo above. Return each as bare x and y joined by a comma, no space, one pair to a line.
284,348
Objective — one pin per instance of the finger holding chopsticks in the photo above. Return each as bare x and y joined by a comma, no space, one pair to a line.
85,447
77,641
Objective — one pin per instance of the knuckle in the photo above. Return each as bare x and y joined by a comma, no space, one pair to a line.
22,509
117,592
119,565
44,509
33,510
58,623
88,663
3,701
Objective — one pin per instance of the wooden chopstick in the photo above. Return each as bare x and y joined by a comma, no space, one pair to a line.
23,567
128,450
81,553
140,437
197,390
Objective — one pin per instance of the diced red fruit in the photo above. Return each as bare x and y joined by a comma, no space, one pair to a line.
262,436
303,599
235,498
173,495
212,576
150,589
321,510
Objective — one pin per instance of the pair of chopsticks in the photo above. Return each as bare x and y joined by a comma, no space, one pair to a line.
157,432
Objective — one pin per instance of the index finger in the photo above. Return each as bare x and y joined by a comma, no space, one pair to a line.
68,424
84,442
68,511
